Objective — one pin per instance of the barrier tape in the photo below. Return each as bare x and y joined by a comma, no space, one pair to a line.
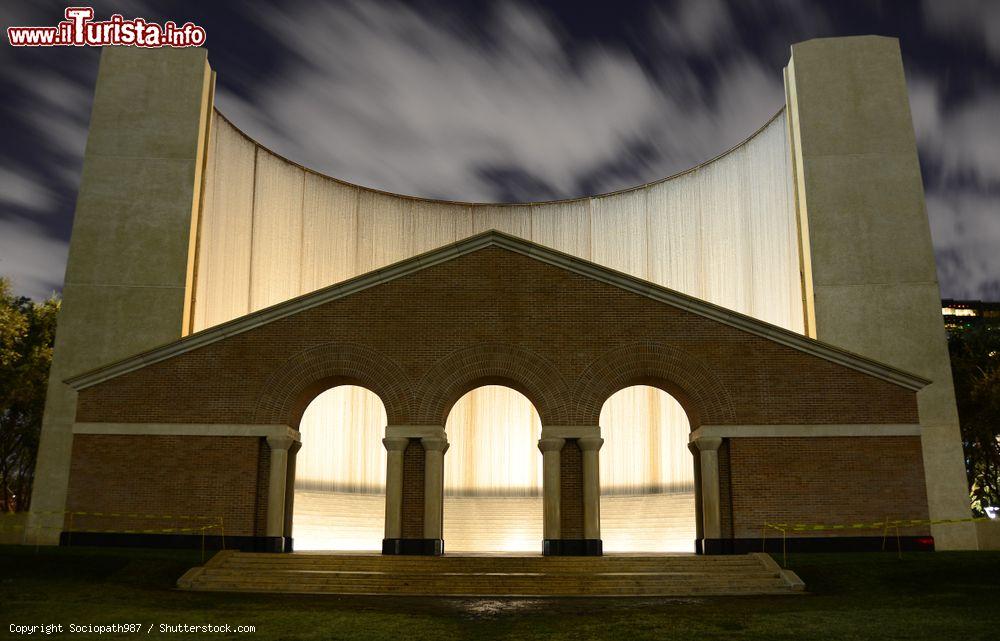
133,515
76,531
806,527
70,529
885,526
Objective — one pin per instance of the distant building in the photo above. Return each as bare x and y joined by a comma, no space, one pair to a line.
965,314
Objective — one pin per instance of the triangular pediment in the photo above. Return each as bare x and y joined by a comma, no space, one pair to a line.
533,250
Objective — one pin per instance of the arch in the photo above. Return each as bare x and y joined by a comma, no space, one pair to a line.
340,418
683,376
647,473
644,467
335,494
493,473
491,364
301,378
493,460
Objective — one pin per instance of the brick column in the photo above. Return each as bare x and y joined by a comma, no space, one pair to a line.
551,447
394,446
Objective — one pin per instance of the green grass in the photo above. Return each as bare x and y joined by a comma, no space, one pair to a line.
859,596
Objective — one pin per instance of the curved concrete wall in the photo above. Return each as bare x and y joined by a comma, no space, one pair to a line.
724,231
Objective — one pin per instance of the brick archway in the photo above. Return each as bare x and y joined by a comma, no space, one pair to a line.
701,394
290,389
491,363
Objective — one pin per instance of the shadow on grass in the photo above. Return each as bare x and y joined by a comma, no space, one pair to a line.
861,596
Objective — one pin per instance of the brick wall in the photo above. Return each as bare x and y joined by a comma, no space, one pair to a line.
725,491
826,481
571,490
204,476
413,490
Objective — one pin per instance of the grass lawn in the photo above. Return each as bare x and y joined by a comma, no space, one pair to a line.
945,595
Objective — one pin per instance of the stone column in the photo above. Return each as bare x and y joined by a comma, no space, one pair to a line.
551,481
434,449
276,487
708,459
290,487
394,447
699,521
590,446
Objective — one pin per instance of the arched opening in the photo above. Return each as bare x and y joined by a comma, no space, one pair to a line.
493,473
647,473
339,500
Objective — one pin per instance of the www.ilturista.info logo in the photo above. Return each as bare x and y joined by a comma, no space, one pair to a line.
79,29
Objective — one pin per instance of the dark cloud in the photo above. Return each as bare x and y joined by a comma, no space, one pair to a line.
512,101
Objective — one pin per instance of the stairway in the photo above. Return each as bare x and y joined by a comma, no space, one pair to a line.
514,576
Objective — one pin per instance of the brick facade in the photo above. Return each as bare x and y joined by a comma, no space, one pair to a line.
826,480
413,490
178,476
571,491
495,316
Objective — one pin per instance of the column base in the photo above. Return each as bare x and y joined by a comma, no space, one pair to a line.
814,544
413,547
572,547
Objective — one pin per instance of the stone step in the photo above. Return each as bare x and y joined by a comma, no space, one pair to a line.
403,563
480,570
239,572
309,575
491,576
453,571
541,588
305,557
502,590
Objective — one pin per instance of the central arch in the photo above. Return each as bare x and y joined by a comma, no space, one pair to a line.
493,473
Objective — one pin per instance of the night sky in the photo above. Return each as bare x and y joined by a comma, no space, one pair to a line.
513,101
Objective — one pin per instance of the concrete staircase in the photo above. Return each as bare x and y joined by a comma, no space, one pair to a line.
514,576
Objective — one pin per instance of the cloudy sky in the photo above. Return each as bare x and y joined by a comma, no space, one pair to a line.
513,101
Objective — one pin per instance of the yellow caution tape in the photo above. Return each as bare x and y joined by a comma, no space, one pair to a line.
76,531
133,515
800,527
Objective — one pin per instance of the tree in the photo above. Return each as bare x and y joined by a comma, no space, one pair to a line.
27,332
975,365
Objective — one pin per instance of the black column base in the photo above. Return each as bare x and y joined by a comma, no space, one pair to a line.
413,547
572,547
815,544
177,541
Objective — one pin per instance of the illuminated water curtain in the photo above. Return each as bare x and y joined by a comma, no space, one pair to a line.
493,472
724,232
